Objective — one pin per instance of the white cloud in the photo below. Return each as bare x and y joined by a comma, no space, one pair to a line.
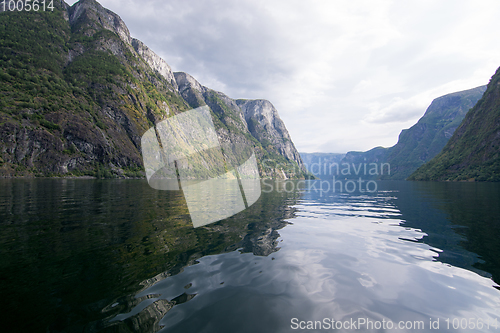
344,75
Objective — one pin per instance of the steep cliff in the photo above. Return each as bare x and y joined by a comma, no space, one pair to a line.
78,92
473,152
421,142
424,140
267,127
256,122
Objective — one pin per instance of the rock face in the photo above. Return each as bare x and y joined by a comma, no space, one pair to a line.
258,118
190,89
90,16
80,104
266,126
421,142
155,62
473,152
424,140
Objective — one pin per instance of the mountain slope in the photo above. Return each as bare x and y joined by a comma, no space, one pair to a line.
315,162
429,135
77,93
421,142
256,122
473,152
267,127
354,159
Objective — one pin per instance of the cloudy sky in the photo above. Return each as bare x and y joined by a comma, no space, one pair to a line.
343,74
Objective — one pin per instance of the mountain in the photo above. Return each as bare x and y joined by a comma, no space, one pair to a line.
315,162
418,144
424,140
78,92
266,126
364,162
473,152
255,120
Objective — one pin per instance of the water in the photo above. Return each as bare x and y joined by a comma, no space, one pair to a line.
118,256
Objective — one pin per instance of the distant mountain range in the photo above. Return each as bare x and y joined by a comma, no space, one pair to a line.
416,145
473,152
319,163
78,92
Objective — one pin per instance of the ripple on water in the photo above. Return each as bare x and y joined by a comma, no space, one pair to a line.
337,261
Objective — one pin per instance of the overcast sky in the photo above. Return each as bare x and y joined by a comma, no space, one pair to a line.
343,75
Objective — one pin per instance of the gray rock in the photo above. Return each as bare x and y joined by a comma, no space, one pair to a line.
266,125
155,62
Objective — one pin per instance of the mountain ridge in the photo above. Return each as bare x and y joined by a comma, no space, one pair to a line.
472,153
432,131
79,105
422,141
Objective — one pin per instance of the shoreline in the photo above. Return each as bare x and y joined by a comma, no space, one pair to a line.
64,177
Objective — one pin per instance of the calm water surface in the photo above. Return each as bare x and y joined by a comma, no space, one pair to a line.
118,256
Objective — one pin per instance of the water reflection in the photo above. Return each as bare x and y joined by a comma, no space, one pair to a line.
76,247
118,256
347,256
463,219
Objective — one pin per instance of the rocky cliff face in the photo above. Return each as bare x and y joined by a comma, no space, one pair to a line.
155,62
473,152
88,17
421,142
429,135
267,127
80,103
254,120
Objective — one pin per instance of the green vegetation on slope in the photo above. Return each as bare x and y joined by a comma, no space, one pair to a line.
76,99
62,94
472,153
429,135
424,140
